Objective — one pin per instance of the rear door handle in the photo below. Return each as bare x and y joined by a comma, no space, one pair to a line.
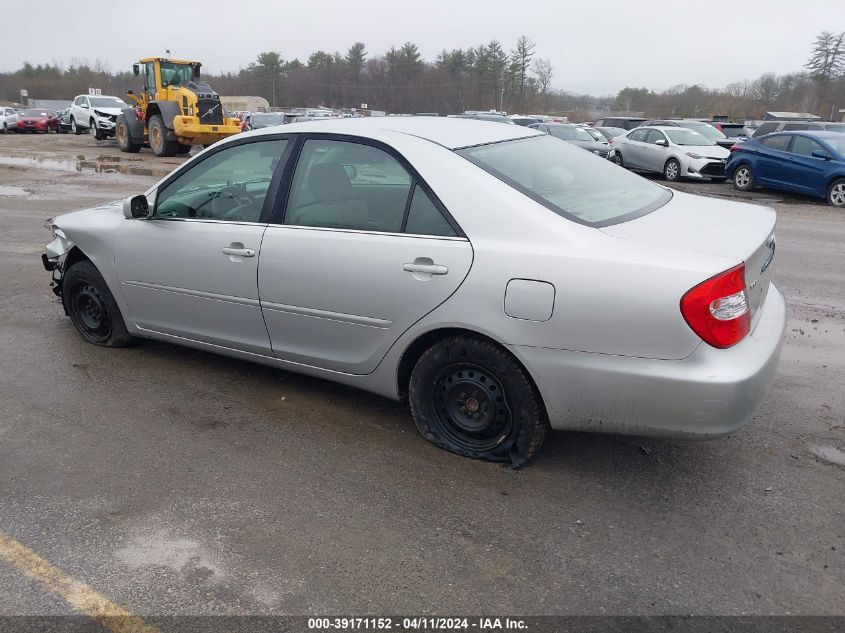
431,269
239,252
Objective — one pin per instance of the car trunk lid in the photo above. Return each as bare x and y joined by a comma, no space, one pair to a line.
734,230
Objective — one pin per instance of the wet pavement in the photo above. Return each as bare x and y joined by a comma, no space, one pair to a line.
178,482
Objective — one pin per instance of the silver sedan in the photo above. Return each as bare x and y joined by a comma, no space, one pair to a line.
675,152
504,281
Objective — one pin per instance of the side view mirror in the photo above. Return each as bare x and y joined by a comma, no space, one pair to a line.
136,208
136,69
820,153
196,72
662,142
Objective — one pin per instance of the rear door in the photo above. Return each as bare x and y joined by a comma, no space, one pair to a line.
771,165
633,153
363,251
654,155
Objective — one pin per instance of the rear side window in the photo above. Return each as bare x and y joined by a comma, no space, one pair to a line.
795,127
779,142
347,185
570,182
639,135
424,218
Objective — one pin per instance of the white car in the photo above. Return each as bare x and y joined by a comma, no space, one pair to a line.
8,119
98,115
675,152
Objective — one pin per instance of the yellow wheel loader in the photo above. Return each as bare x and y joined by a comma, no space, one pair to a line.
174,111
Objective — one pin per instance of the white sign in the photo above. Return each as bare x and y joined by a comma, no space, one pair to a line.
363,106
24,93
95,92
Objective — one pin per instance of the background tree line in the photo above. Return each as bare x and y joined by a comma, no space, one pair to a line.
482,77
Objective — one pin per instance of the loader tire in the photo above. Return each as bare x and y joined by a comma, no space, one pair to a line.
158,138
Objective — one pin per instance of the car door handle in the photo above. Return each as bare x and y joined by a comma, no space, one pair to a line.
239,252
431,269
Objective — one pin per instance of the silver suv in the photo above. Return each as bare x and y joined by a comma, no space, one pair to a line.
770,127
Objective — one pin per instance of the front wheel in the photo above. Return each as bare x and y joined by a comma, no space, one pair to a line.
744,178
473,398
92,307
124,137
74,127
94,130
158,138
836,193
672,170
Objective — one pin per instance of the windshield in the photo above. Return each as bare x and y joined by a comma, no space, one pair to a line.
266,120
838,144
598,136
703,128
106,102
175,74
567,133
34,113
733,130
681,136
574,184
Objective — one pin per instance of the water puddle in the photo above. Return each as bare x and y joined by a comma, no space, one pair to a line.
100,165
829,454
6,190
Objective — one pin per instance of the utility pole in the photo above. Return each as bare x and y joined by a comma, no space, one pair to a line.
502,100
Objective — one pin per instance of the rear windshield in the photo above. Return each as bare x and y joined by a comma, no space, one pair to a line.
575,184
34,113
570,133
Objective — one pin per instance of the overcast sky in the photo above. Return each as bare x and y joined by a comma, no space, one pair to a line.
595,47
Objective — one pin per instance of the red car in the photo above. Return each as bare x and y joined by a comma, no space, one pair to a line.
38,121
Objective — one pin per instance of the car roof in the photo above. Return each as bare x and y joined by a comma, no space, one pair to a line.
452,133
819,133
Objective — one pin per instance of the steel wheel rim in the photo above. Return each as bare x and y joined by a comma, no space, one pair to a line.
672,171
837,195
470,407
91,312
121,134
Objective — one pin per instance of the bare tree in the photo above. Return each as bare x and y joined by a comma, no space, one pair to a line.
827,61
543,71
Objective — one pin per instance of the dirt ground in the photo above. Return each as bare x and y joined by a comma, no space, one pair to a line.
177,482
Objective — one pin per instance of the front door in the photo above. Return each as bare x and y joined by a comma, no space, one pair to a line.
364,252
191,269
805,172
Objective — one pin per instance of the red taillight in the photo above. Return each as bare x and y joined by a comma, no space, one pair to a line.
736,147
717,309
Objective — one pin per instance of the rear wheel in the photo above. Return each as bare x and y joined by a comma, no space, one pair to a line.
836,193
617,158
124,138
92,307
183,149
744,178
672,170
158,138
471,397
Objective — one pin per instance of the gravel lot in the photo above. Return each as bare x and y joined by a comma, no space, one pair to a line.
177,482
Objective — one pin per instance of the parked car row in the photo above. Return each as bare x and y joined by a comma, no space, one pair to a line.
28,120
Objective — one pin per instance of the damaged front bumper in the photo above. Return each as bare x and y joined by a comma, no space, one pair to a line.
53,259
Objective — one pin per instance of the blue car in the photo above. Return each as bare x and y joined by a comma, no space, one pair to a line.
804,162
